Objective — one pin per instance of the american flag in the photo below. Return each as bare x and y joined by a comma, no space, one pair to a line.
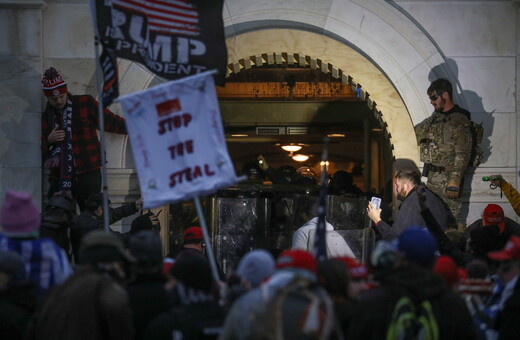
171,16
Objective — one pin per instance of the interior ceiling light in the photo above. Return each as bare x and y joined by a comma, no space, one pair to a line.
291,147
239,135
300,158
336,135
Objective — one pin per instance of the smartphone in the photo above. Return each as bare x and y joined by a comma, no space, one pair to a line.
376,202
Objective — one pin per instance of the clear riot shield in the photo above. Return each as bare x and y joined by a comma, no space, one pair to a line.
240,225
251,217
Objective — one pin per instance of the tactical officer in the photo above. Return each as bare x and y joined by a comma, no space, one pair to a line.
445,142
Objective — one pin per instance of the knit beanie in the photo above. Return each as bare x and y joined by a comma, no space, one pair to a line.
52,83
19,217
256,266
141,223
418,246
146,247
446,268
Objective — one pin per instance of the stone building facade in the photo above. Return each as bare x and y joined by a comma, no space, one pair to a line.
392,48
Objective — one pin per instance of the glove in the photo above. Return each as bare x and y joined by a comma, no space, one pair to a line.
452,189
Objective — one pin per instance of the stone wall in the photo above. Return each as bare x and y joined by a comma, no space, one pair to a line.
393,48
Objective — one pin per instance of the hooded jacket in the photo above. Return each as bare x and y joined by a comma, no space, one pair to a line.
374,311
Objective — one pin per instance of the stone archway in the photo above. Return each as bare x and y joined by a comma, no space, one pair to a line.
327,54
307,61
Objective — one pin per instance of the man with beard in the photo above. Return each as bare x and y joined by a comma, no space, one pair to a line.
446,142
407,182
69,139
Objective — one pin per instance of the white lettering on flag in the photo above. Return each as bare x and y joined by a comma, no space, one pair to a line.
177,140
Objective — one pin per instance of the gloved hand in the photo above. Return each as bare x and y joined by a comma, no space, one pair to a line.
452,189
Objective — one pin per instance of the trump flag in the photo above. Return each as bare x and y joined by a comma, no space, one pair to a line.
177,139
171,38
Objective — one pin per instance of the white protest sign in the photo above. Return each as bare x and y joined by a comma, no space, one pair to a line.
177,140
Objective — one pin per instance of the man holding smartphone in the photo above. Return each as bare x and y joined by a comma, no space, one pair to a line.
407,183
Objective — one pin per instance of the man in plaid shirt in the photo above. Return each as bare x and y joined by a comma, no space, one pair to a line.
70,143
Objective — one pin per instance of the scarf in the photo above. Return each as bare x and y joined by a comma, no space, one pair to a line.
61,153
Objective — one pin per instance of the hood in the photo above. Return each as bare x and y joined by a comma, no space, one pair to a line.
416,282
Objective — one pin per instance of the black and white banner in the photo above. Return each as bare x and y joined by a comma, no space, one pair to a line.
172,38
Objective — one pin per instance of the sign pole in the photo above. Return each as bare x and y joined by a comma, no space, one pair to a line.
209,248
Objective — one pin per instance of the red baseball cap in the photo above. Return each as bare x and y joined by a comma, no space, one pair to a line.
296,258
356,269
193,233
494,214
511,250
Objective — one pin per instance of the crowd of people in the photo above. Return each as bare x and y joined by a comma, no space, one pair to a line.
63,276
419,279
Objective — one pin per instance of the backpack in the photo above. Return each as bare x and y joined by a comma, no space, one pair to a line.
477,134
197,322
300,310
56,218
413,321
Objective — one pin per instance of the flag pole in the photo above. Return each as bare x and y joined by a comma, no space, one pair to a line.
320,242
209,248
101,119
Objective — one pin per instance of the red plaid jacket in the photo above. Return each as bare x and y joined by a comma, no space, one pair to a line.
85,143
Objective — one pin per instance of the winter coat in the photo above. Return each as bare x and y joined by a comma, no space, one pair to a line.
17,305
508,324
196,315
374,310
87,222
148,298
88,306
409,214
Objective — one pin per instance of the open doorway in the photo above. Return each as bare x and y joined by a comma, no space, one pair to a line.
267,107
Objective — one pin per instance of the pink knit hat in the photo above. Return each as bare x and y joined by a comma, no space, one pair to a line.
19,216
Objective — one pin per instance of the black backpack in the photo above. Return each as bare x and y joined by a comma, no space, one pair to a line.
56,218
198,321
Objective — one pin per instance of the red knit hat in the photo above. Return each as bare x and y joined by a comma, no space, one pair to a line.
447,269
52,83
494,215
356,269
296,258
193,233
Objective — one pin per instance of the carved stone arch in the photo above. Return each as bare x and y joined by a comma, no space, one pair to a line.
285,58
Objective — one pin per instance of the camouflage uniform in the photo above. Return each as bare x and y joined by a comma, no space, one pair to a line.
445,141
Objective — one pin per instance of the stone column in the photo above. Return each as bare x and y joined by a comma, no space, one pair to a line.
20,96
